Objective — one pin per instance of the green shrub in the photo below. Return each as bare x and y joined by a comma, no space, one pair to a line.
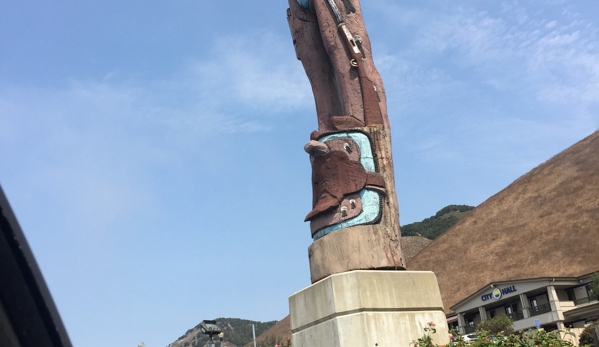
594,286
586,337
498,324
484,338
426,340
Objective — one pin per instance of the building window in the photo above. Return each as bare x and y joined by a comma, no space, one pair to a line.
513,311
492,314
512,307
571,296
471,327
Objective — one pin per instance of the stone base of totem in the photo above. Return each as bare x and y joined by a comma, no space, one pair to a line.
367,308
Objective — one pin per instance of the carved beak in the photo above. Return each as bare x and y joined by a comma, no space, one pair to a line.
316,149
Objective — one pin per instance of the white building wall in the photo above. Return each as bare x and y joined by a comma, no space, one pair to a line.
580,293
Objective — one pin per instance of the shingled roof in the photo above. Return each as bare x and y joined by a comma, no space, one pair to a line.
544,224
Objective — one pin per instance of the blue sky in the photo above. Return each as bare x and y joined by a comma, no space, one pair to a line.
153,151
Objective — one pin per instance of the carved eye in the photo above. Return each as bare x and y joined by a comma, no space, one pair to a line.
343,211
347,147
352,203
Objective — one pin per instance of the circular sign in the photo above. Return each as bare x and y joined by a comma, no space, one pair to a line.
496,294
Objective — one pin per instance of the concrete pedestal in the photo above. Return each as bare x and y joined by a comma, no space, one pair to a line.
367,308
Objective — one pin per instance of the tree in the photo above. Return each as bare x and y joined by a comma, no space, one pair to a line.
594,285
497,324
538,338
586,336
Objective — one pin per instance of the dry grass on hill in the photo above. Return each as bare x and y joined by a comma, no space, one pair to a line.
545,224
412,245
281,331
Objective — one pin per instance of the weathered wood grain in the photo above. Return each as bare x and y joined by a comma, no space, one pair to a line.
349,95
375,246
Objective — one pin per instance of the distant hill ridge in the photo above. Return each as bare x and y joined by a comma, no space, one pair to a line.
237,333
436,225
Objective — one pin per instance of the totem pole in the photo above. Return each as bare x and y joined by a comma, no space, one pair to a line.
354,220
357,298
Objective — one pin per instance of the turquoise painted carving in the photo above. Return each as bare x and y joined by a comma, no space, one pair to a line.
363,142
304,3
370,199
371,202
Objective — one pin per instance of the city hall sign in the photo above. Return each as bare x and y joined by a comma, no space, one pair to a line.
497,293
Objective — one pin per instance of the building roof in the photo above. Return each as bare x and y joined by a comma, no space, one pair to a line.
544,224
559,281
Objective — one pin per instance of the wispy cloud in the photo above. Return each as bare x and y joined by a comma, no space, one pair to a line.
506,77
260,74
103,137
236,87
554,55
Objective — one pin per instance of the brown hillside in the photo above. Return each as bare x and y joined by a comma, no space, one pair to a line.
280,331
412,245
545,224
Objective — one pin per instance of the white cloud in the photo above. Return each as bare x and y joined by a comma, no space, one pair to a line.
260,74
501,87
564,64
560,61
103,138
516,43
237,87
473,35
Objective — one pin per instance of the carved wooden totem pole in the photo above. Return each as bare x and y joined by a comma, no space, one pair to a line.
354,220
